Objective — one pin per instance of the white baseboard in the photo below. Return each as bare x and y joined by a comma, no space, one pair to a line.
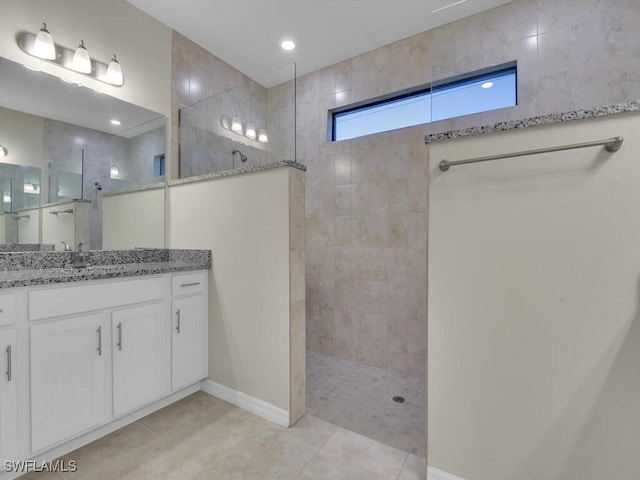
254,405
81,440
435,474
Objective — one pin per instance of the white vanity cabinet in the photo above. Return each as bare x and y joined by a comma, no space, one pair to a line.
68,378
189,329
140,356
8,397
97,355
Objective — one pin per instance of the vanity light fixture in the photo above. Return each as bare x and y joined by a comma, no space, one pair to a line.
250,132
114,72
3,152
43,46
81,61
114,170
236,125
78,60
115,122
31,188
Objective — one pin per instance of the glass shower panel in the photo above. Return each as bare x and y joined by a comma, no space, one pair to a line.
245,126
65,177
7,194
31,187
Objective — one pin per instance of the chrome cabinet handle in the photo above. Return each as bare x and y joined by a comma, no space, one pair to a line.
178,323
192,284
119,336
99,340
9,373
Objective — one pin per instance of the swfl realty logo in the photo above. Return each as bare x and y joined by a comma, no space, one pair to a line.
25,466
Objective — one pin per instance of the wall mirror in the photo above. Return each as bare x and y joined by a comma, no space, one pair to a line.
65,143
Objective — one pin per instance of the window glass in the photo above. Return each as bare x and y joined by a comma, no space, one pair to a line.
472,94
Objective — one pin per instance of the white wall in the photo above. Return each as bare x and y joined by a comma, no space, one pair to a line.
534,328
143,44
22,135
29,228
244,221
135,219
72,228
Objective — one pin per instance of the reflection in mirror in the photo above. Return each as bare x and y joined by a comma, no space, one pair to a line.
6,188
48,124
244,126
19,217
136,161
65,178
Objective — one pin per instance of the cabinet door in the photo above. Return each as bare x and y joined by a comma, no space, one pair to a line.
140,353
187,342
8,398
68,379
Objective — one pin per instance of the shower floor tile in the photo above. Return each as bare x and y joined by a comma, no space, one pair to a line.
359,398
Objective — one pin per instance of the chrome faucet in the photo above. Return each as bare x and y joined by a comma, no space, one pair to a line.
67,248
78,260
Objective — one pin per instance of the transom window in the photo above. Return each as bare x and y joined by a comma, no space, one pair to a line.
475,92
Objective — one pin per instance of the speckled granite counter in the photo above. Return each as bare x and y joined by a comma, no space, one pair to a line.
22,269
63,202
238,171
27,247
535,121
120,191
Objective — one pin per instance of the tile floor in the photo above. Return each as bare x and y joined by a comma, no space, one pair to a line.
204,438
359,398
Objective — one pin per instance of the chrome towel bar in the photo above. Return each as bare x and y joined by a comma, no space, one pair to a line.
610,145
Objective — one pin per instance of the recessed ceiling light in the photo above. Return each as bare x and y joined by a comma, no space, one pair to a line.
487,85
288,45
115,122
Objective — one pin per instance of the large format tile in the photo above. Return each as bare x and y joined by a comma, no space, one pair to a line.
203,437
276,457
324,466
365,453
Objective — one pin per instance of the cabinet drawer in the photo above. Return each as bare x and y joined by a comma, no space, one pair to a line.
7,309
187,284
85,298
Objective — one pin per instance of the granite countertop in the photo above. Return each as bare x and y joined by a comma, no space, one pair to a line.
238,171
42,268
120,191
63,202
535,121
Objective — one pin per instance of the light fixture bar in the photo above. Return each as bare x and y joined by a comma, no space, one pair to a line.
64,59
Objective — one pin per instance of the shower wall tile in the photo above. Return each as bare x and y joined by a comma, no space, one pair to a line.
367,202
206,88
549,40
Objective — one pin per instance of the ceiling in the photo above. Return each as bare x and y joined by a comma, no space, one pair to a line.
247,33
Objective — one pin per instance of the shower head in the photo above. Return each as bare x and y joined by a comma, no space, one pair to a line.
243,157
98,186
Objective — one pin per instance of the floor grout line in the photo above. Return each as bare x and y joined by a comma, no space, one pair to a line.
359,398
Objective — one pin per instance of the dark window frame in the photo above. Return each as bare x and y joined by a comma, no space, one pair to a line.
430,88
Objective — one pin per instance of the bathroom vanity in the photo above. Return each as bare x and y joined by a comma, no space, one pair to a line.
86,351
